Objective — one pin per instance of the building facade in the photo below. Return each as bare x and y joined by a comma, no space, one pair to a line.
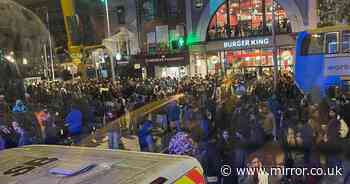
236,35
162,36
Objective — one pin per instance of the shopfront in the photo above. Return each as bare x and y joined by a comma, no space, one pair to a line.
175,66
242,41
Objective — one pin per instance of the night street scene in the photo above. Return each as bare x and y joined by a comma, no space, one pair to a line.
174,91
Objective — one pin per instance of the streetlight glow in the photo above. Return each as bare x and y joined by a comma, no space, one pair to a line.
25,61
118,56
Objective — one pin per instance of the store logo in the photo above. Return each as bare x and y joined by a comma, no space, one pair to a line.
247,43
155,60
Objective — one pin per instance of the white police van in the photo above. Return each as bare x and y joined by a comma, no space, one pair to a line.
43,164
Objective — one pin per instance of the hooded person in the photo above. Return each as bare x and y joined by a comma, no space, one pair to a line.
145,136
227,154
74,121
19,107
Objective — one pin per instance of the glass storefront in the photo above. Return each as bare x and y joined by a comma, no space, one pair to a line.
246,18
239,39
250,59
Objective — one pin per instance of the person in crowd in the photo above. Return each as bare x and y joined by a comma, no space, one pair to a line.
113,132
226,146
46,129
333,139
19,107
308,137
182,144
260,176
173,113
145,136
74,121
257,134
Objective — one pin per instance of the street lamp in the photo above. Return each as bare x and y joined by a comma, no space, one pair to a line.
25,61
109,35
274,44
118,56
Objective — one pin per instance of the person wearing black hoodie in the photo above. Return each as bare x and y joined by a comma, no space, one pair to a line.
228,157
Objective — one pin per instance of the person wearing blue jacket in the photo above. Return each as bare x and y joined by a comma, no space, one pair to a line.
173,113
74,121
145,136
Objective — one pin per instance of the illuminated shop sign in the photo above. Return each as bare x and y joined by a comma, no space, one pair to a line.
156,60
247,43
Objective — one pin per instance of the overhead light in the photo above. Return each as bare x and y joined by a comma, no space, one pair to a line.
25,61
118,56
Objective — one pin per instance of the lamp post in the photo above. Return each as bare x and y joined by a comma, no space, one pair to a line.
274,44
46,10
108,36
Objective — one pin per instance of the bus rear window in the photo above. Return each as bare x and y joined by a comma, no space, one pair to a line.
313,45
346,41
332,43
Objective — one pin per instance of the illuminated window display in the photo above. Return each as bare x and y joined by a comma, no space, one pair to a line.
246,18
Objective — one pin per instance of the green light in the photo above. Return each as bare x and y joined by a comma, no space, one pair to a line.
181,42
102,1
192,38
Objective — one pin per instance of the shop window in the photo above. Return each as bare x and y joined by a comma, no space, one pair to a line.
332,43
346,41
285,57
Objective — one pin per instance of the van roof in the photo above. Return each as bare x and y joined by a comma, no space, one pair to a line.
32,165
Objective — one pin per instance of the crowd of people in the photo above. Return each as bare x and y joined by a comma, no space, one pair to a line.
52,112
259,126
241,122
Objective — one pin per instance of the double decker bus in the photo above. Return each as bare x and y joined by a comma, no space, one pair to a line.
323,59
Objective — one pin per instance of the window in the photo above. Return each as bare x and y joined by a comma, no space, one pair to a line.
121,14
346,41
149,9
198,4
313,45
244,18
172,8
332,43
